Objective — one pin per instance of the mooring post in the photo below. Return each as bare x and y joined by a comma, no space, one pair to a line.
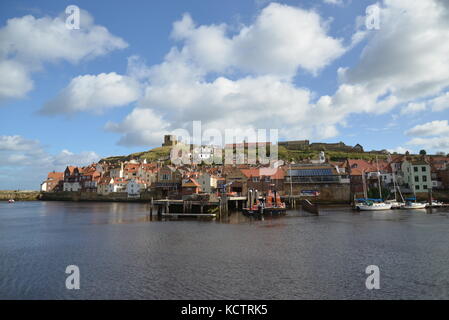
159,212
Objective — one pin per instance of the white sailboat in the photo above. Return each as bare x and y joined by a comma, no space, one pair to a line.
395,204
410,204
371,205
374,206
413,205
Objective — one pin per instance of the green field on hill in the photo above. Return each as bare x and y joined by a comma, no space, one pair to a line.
163,153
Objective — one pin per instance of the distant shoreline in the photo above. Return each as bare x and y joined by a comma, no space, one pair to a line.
18,195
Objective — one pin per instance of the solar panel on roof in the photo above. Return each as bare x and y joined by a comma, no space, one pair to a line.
311,172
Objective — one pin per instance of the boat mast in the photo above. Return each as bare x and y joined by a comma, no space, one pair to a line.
394,177
364,185
291,185
378,179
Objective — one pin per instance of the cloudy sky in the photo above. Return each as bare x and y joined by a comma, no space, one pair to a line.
135,70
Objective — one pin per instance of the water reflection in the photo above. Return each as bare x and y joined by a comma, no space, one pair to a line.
123,253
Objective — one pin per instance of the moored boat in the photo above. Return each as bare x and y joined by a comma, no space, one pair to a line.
11,201
374,206
395,204
413,205
435,204
271,205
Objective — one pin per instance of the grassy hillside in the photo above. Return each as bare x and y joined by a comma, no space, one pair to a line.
299,155
150,155
163,153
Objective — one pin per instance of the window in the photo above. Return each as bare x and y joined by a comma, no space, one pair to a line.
415,169
416,179
425,186
255,179
423,169
424,178
417,187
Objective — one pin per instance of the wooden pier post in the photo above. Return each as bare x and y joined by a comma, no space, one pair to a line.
167,207
159,212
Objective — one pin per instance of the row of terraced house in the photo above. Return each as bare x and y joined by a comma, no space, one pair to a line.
327,180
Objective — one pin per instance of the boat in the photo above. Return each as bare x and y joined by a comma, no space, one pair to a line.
435,204
410,203
271,205
366,204
370,205
395,204
11,201
414,205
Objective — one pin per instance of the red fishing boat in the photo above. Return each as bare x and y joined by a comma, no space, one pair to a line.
270,205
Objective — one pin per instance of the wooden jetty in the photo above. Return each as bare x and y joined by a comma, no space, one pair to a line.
194,208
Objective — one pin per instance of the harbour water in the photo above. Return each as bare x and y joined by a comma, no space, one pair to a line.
122,254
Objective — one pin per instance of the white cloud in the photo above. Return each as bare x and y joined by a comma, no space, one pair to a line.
397,60
16,143
26,43
436,135
438,144
335,2
140,127
250,102
24,163
15,81
94,93
441,102
281,40
245,79
412,108
434,128
65,157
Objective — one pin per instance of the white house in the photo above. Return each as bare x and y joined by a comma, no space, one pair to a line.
417,175
117,185
207,182
134,187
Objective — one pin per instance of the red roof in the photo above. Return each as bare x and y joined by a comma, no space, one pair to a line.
55,176
357,166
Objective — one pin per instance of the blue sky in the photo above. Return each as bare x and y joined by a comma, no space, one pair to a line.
226,68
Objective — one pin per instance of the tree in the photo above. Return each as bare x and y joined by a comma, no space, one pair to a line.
422,152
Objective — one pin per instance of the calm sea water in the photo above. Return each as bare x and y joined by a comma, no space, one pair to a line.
123,255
